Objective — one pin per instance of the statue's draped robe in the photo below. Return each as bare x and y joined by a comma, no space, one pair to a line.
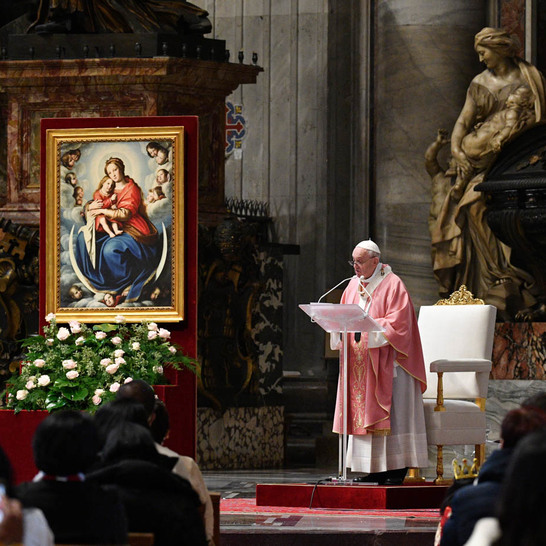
464,250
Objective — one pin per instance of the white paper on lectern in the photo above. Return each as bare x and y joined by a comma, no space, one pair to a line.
339,317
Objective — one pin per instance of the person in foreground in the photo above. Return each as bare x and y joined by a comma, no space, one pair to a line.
65,445
469,504
184,466
386,376
520,514
155,499
26,526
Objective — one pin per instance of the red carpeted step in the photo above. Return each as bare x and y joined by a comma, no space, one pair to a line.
353,496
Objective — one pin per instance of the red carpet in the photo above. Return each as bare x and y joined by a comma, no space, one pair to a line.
248,506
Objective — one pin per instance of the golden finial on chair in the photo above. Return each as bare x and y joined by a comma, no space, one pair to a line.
463,296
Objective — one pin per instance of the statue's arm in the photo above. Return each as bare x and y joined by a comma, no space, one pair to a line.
462,127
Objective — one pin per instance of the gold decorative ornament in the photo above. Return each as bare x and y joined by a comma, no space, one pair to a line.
463,296
465,470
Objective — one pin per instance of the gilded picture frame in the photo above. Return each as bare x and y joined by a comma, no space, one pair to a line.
113,221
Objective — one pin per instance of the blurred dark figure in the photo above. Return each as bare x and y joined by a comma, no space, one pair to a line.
156,500
474,502
22,526
65,445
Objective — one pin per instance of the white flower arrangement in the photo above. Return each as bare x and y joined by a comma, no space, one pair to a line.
81,367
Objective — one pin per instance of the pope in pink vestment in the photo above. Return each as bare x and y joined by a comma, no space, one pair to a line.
377,362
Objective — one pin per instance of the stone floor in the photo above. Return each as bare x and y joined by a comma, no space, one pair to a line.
321,529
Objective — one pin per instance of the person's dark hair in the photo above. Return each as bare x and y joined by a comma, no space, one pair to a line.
140,391
537,401
65,442
107,417
522,501
129,441
161,424
6,472
518,423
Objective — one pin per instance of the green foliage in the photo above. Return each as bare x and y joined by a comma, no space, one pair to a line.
80,367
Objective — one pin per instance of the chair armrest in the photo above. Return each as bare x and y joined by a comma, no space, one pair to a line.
466,365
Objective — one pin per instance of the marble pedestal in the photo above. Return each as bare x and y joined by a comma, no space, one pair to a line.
240,438
112,87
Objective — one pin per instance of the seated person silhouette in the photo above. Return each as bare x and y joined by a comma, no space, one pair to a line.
78,511
156,500
185,467
471,503
26,526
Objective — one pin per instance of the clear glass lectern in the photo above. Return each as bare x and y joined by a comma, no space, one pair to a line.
344,318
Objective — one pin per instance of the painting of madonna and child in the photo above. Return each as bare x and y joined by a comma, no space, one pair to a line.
120,209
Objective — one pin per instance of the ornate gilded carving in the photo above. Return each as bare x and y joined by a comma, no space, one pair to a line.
18,291
463,296
465,470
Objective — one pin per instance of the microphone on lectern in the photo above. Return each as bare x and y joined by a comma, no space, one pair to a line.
332,289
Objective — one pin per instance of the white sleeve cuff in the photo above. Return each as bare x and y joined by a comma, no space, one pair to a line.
335,341
376,339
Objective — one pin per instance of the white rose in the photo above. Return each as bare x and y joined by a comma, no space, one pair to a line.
117,340
164,334
72,374
50,342
63,334
80,340
152,334
75,326
158,369
50,317
136,346
152,326
128,380
112,369
120,319
30,384
114,387
44,380
119,353
172,350
119,361
39,362
99,392
21,395
100,335
96,399
69,364
106,362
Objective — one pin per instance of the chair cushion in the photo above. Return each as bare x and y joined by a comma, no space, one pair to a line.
463,423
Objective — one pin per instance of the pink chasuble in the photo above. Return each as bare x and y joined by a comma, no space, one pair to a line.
370,370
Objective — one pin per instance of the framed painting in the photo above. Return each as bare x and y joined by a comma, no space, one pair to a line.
113,218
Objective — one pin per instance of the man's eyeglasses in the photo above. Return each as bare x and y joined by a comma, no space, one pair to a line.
352,263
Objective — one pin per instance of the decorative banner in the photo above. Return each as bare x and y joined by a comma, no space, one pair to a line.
235,128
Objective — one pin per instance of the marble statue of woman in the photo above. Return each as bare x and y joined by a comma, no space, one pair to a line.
464,249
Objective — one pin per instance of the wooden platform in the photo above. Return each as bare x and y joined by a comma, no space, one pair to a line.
351,496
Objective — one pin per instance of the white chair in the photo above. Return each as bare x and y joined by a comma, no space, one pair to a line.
457,346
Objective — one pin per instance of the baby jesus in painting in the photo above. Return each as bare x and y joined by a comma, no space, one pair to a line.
105,193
